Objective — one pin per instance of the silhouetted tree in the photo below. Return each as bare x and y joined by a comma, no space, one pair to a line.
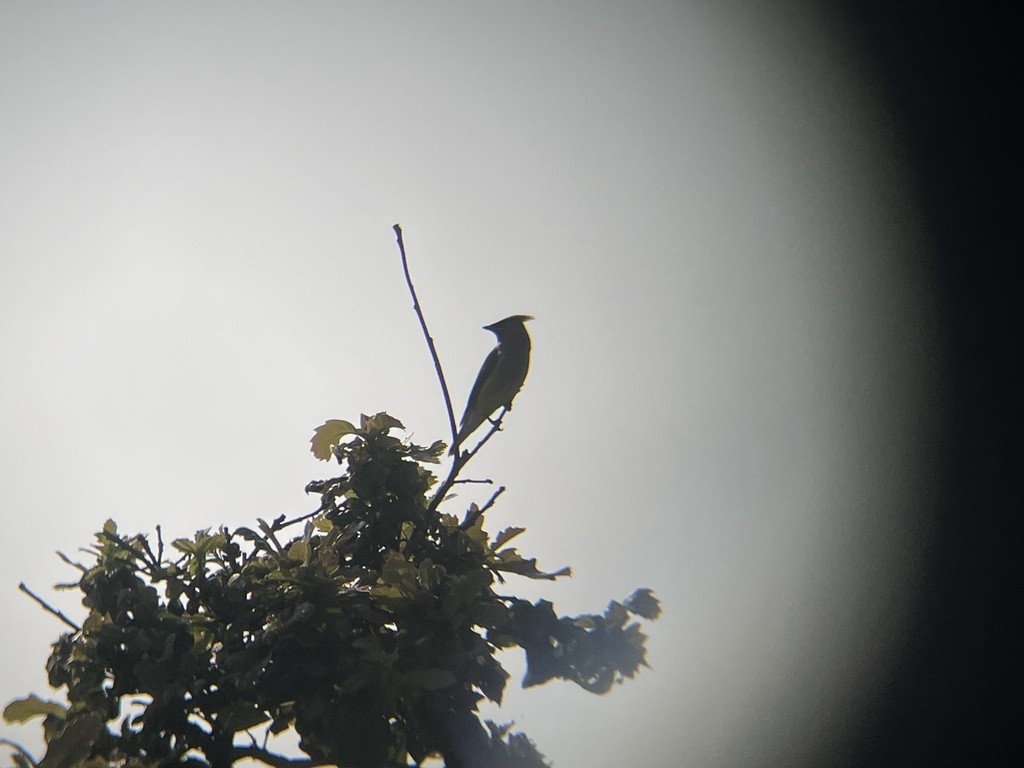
370,628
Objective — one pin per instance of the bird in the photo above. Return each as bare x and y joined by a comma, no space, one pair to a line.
501,376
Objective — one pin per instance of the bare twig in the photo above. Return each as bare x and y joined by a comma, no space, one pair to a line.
426,333
301,518
472,516
486,481
24,753
149,551
152,568
449,482
123,544
268,533
255,752
276,760
47,607
71,562
494,498
495,427
461,459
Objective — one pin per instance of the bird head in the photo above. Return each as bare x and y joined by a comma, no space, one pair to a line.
509,322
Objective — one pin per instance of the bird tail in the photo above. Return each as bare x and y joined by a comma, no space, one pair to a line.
458,441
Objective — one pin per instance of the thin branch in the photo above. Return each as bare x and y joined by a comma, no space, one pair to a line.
486,481
416,538
118,541
149,551
47,607
255,752
495,428
494,498
71,562
301,518
461,459
474,515
268,533
426,333
151,568
20,750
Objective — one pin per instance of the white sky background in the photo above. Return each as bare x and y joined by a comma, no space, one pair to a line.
706,211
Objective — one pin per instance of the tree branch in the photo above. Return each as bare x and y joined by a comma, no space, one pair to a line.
461,459
426,333
47,607
272,758
471,517
275,760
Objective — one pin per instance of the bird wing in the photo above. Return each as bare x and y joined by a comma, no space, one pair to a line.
490,363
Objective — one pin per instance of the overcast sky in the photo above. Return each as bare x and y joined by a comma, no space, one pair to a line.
707,211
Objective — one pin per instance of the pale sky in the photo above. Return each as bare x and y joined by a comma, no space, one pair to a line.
733,382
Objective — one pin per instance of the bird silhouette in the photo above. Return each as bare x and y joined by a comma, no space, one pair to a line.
501,376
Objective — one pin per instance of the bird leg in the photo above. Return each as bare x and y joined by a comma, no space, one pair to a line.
496,423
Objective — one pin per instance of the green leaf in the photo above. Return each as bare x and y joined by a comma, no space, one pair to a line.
298,550
616,614
476,532
20,710
433,679
432,454
510,561
241,717
203,544
283,721
586,621
431,574
328,435
506,536
386,592
489,614
74,742
643,603
399,572
380,423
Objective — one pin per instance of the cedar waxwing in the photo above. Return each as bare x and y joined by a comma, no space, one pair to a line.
501,376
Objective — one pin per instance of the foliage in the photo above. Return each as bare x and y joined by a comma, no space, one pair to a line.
371,631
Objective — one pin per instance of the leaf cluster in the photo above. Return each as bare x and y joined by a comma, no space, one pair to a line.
372,631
